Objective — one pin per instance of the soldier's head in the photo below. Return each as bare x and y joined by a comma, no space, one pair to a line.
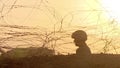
79,36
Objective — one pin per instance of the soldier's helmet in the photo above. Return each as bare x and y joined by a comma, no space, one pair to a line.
79,34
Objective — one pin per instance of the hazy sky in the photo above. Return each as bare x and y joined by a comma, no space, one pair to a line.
88,15
47,13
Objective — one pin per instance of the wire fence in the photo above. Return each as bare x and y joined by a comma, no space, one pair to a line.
103,33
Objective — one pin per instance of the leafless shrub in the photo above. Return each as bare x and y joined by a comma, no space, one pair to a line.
26,36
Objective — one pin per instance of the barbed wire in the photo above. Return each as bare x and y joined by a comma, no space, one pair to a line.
26,33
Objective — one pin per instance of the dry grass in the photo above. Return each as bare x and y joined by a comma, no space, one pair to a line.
61,61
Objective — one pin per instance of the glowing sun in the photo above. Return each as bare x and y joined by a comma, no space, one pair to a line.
112,7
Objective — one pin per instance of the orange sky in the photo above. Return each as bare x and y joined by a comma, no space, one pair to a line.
37,13
88,15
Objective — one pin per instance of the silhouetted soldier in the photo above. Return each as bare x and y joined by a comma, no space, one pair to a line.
83,53
80,38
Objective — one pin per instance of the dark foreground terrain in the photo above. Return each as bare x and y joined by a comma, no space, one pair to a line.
62,61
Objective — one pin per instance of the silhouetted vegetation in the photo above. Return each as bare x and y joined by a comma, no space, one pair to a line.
61,61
